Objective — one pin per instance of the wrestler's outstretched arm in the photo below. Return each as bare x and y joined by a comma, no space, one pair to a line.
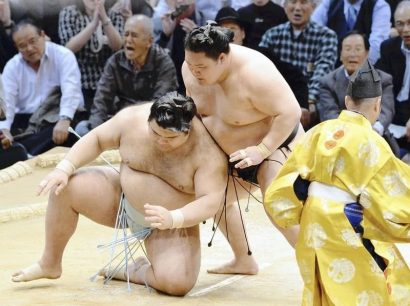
102,138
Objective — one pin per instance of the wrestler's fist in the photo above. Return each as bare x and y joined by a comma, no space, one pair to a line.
158,216
57,178
247,157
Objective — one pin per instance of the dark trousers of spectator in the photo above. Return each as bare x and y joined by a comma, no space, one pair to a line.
88,98
36,143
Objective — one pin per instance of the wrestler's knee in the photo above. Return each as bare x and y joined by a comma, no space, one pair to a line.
177,286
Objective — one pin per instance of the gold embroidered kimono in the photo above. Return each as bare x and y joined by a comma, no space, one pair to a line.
335,266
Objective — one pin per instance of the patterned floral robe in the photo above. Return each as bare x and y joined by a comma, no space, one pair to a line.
336,268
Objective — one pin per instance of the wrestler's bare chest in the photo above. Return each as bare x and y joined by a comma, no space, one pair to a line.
171,168
230,106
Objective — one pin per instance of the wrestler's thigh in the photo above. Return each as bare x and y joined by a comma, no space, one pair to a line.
269,168
95,193
175,253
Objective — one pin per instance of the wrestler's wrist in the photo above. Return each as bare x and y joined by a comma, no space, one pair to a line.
177,218
263,150
66,166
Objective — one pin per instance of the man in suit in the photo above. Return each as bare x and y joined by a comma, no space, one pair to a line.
355,49
395,60
370,17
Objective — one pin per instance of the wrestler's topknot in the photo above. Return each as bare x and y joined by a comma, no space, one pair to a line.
210,39
173,111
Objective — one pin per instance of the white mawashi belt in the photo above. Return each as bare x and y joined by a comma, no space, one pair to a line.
328,192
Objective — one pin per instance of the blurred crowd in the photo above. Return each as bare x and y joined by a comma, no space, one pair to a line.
76,63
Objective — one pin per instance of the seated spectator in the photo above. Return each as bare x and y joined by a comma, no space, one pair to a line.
261,15
7,49
395,60
310,47
141,72
180,17
87,30
34,80
354,53
370,17
229,18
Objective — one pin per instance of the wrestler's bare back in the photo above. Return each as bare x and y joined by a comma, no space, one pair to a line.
234,111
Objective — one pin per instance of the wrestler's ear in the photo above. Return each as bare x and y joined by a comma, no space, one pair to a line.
222,58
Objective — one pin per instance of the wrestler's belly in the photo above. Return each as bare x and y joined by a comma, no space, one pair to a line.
140,188
234,137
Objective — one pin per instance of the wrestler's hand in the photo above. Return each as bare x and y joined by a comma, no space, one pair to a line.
247,157
158,216
56,178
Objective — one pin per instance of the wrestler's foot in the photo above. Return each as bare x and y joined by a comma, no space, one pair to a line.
247,266
137,272
34,272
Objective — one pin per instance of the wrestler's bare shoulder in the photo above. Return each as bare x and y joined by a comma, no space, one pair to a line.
205,145
133,116
251,63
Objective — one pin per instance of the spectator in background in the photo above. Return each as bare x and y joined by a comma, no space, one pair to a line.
262,15
228,17
32,80
141,72
7,49
354,53
181,17
133,7
87,30
395,60
307,45
370,17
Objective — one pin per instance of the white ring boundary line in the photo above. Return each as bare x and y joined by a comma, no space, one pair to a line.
224,283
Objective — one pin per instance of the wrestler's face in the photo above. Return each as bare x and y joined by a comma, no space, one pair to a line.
30,44
239,33
353,53
299,12
165,139
402,24
136,40
206,70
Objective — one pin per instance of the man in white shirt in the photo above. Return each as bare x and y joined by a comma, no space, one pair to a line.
29,77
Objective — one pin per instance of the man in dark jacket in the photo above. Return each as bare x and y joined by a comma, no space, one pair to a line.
141,72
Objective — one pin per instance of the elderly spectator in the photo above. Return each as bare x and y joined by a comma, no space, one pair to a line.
354,53
262,15
32,81
87,30
395,60
141,72
305,44
370,17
